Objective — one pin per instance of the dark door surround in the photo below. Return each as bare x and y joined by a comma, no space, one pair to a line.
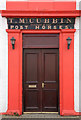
47,51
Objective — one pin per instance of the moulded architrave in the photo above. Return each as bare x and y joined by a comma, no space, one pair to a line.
41,5
64,61
27,13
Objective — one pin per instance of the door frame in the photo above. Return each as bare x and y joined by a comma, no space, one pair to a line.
64,81
48,47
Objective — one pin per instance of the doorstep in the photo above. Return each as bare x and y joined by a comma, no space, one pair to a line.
40,116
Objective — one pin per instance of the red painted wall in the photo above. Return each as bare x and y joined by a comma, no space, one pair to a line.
14,74
67,77
40,5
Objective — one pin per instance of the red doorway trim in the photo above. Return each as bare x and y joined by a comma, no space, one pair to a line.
27,13
66,66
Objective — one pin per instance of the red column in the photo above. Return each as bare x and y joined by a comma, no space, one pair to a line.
14,73
67,73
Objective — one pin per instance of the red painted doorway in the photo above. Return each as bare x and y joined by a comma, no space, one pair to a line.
66,60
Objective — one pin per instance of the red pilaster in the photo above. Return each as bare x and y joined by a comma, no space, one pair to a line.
14,73
67,73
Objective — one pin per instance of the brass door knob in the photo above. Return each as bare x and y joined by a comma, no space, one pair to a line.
42,85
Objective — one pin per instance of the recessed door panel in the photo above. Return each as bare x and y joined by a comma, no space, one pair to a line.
50,79
32,80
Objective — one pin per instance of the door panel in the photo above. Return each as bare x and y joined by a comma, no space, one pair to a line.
41,80
31,101
31,80
31,66
50,79
40,40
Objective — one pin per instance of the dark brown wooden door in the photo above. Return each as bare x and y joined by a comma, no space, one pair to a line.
40,80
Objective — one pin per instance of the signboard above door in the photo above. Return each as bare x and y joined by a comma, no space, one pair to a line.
40,23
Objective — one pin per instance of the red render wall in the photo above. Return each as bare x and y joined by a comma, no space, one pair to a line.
67,76
24,5
14,73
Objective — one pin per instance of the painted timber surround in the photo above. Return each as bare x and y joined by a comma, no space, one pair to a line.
68,60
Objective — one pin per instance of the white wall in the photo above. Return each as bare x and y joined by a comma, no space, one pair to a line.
78,4
2,4
76,66
3,61
80,64
77,61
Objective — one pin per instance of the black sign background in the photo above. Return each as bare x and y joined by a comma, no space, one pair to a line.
41,23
